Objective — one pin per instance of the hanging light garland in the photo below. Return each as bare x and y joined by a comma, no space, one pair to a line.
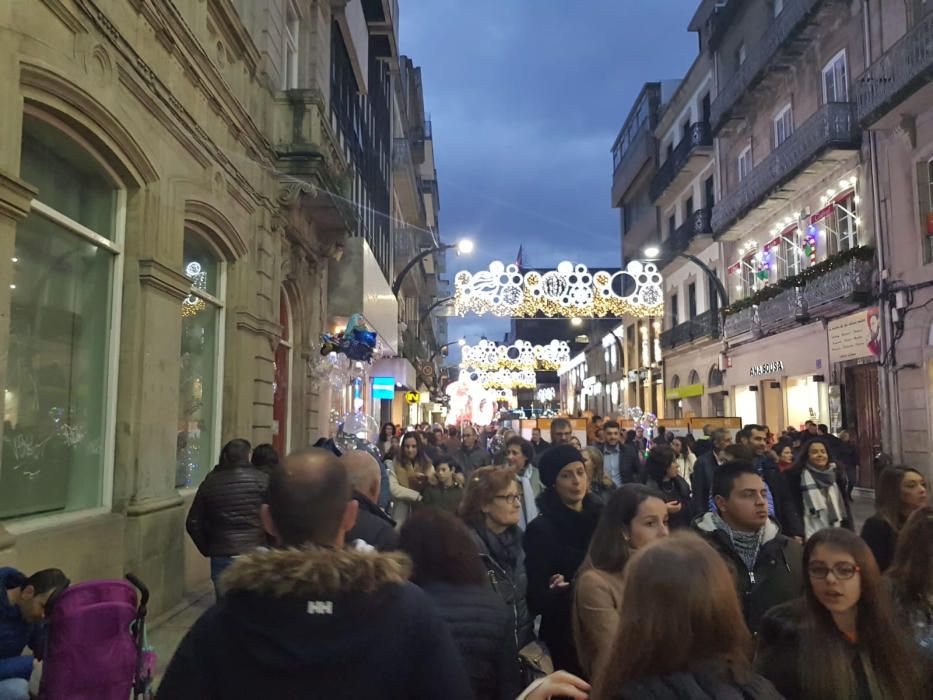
487,355
503,379
569,291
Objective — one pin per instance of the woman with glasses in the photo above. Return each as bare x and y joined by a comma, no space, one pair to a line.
841,640
491,508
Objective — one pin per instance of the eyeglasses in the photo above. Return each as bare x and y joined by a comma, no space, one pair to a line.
843,570
511,499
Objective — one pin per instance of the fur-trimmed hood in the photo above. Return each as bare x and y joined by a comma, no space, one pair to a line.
314,571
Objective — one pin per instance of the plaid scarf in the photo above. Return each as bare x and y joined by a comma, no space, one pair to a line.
822,499
746,544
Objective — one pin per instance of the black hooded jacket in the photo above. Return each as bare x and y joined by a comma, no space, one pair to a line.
556,542
373,526
323,623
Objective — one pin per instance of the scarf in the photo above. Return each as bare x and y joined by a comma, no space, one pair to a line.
529,507
822,500
745,544
503,548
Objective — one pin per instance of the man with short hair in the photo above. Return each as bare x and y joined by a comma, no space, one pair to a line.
781,504
537,442
767,566
22,613
620,462
811,429
704,445
702,479
471,455
372,526
312,618
561,430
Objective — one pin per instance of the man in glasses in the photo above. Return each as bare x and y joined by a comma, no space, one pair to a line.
561,430
768,566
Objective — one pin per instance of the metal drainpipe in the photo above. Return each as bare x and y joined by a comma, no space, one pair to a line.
887,379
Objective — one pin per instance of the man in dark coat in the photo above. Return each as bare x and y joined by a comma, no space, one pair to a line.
786,511
539,443
373,526
705,467
312,618
224,517
471,455
767,566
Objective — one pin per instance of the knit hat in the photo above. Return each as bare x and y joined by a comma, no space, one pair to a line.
554,459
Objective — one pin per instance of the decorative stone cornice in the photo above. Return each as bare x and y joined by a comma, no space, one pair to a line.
153,273
270,330
148,506
15,196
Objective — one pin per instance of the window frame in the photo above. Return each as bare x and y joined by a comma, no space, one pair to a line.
291,40
745,156
830,67
783,119
116,247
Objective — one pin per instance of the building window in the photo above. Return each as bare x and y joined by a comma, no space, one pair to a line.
835,81
925,181
746,276
290,49
745,163
671,225
789,254
783,125
741,54
842,224
282,383
201,374
61,364
692,300
709,192
675,306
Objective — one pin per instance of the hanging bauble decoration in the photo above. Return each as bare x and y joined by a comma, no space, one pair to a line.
636,413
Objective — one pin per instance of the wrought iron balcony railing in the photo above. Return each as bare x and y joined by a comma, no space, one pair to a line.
902,70
761,56
705,325
833,126
696,224
740,322
698,135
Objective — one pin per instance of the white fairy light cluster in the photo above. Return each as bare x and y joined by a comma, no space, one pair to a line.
522,354
570,291
546,394
503,378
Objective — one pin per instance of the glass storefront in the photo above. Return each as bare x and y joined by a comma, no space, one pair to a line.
59,361
807,399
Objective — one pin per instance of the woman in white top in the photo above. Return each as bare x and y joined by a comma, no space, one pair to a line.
684,457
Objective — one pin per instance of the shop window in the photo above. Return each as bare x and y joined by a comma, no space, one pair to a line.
281,384
842,225
60,367
201,371
745,163
835,80
783,125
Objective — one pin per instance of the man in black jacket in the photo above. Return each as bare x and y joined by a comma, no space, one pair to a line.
702,479
785,510
767,566
223,521
313,619
373,526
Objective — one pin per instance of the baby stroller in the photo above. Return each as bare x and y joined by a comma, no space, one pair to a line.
96,646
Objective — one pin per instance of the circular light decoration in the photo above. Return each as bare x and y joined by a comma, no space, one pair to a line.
502,378
546,394
487,355
569,291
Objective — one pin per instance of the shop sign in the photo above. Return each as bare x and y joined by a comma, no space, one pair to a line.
685,392
412,397
855,336
766,368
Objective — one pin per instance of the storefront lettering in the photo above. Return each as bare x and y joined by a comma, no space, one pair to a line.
766,368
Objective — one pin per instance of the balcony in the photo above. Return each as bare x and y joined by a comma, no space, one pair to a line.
762,55
407,181
640,152
902,71
697,224
816,147
706,325
834,292
691,154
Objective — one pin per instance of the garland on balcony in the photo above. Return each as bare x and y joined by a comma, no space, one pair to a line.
813,272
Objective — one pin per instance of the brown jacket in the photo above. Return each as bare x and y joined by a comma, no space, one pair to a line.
596,602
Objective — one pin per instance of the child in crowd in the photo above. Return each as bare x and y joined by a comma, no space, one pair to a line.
448,491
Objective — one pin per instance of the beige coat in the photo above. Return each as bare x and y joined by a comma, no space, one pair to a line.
597,600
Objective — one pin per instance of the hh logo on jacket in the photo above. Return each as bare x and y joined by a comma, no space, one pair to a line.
320,607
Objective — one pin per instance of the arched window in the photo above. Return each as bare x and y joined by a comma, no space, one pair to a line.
715,377
57,451
694,377
675,381
201,373
281,386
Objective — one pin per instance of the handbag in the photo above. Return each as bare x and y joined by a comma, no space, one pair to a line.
535,662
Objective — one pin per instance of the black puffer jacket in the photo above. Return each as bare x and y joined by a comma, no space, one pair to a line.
505,566
373,526
481,626
556,543
711,681
224,517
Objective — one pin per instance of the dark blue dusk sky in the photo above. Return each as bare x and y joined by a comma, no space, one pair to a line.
526,98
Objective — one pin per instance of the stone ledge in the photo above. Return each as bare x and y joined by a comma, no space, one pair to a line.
153,505
155,274
15,196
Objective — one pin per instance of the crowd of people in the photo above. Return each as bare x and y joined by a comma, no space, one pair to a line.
644,565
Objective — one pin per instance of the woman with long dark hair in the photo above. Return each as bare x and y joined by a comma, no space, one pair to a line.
900,491
409,473
911,577
634,517
386,433
491,508
684,457
842,640
818,489
447,566
555,546
663,474
676,641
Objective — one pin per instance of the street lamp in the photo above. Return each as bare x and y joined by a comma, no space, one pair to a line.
652,253
464,247
437,352
439,302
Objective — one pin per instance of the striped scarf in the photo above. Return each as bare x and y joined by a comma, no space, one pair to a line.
746,544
